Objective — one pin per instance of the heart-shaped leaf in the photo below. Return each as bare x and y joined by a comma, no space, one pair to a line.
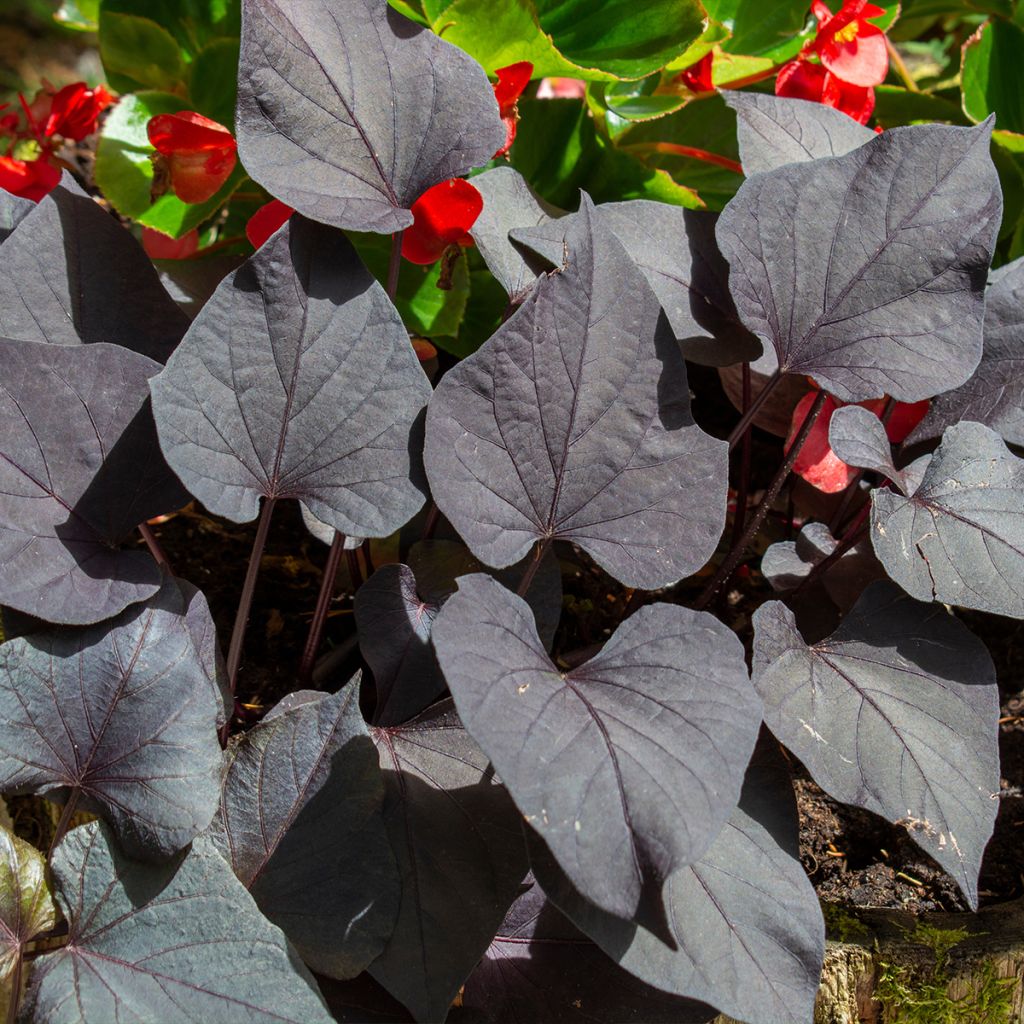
747,919
540,967
13,210
26,907
297,380
349,112
573,422
65,506
859,438
509,203
627,766
175,943
894,712
395,611
74,275
121,717
460,852
959,537
995,394
675,249
300,822
775,130
867,271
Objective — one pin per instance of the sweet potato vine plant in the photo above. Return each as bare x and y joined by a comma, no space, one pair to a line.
472,827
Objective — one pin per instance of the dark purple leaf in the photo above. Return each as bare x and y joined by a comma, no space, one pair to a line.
190,283
959,538
122,716
349,112
627,766
859,438
13,210
395,611
995,394
540,967
747,919
894,712
300,822
509,203
774,130
461,855
297,380
675,249
80,468
175,943
72,274
573,422
867,271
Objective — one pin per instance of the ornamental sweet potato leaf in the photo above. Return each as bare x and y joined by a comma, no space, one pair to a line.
80,468
297,380
995,394
461,855
71,274
959,537
13,210
573,422
747,919
300,822
894,712
541,967
867,271
26,907
349,112
627,766
121,717
675,249
775,130
858,437
395,611
176,942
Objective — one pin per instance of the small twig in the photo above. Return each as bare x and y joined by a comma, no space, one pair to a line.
851,538
154,547
66,814
323,604
14,980
394,264
354,571
430,524
901,68
531,570
691,152
743,492
367,557
747,419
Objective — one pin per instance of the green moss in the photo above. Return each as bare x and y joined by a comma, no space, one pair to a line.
910,996
843,926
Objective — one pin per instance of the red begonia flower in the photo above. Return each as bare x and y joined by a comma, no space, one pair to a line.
849,45
30,179
442,216
561,89
697,77
74,111
817,463
507,90
802,80
266,220
198,154
159,246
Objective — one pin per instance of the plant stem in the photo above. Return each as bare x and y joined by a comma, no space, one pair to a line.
394,264
352,561
66,814
323,604
430,524
726,569
14,981
747,419
743,492
691,152
852,536
248,589
367,557
531,570
901,68
154,547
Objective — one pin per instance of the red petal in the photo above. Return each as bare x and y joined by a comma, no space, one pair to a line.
512,80
820,12
30,179
905,416
266,220
442,216
852,100
74,111
862,60
817,463
159,246
697,77
801,80
200,153
187,131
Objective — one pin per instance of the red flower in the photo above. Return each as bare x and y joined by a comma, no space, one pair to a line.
30,179
697,77
8,122
442,216
802,80
198,155
266,220
74,111
512,80
159,246
817,463
849,45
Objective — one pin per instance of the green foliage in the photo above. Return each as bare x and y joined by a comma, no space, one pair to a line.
993,75
80,15
138,53
911,997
